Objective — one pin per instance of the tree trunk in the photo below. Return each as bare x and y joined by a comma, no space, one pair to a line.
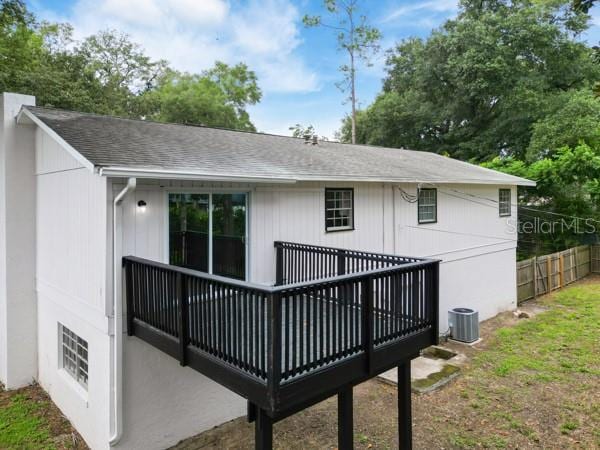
353,97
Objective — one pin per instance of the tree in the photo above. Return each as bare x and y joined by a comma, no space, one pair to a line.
567,188
354,36
217,97
306,132
475,88
574,120
122,70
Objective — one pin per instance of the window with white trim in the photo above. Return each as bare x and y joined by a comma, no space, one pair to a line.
339,209
74,355
504,202
427,205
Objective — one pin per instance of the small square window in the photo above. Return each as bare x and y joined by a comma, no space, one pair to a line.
74,355
504,202
427,205
339,209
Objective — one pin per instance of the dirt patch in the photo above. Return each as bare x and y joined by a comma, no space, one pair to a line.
530,383
31,420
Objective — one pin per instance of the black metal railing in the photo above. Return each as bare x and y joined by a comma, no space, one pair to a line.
302,262
271,343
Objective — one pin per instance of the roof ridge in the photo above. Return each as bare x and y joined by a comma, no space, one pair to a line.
195,125
178,124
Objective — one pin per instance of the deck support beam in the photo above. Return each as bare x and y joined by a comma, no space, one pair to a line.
263,431
404,407
345,419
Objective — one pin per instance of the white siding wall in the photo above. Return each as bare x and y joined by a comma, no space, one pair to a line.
72,284
476,246
297,214
164,402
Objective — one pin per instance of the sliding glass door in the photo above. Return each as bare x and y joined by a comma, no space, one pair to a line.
207,232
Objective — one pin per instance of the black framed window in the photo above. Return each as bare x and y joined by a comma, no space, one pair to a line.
504,202
339,209
427,205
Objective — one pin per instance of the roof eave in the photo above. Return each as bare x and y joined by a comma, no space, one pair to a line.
187,175
27,117
110,171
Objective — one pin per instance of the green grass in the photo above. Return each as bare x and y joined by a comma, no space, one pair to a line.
535,384
21,424
555,344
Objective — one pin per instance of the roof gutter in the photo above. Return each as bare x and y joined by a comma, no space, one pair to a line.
193,175
187,175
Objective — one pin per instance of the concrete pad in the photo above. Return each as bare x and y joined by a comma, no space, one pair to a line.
421,368
424,366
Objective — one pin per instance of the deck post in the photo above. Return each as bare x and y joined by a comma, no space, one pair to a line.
404,407
341,262
435,302
128,278
367,319
278,264
182,296
345,419
263,431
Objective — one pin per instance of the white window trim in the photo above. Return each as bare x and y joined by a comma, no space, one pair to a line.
503,211
350,210
434,204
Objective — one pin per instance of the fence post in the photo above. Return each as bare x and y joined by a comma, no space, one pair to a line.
561,270
535,271
367,318
184,337
549,272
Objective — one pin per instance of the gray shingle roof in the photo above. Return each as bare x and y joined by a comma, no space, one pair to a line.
136,144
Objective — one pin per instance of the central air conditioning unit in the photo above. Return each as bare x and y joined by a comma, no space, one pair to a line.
464,324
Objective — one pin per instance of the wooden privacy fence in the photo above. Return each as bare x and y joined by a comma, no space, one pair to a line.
543,274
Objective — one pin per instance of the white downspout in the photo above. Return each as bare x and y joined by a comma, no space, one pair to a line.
118,325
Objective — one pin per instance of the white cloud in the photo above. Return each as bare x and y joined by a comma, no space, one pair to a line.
193,34
431,6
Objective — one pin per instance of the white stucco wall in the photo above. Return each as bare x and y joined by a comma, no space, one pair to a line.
18,344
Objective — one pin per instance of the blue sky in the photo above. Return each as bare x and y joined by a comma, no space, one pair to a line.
297,67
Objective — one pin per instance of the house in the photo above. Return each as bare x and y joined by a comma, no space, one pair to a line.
266,264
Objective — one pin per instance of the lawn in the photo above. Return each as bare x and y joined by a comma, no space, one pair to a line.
531,383
29,420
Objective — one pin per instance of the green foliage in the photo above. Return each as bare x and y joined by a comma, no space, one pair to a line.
575,119
477,85
107,73
217,97
567,189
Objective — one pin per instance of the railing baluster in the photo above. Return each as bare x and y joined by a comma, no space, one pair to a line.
319,321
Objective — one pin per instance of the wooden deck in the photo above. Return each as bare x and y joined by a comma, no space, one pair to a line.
288,346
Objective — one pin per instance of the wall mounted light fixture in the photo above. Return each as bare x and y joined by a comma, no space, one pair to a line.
142,206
